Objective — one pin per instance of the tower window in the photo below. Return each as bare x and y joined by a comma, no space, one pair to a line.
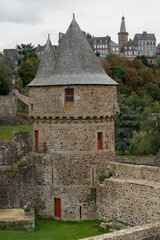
99,140
69,96
36,140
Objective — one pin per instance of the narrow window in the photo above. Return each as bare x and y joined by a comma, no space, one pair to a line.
99,140
31,106
80,212
92,176
36,140
69,96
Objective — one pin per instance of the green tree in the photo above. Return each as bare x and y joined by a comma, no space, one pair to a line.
147,141
5,82
118,72
128,121
27,71
25,48
29,56
88,35
143,59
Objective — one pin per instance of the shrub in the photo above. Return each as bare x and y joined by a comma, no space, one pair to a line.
22,163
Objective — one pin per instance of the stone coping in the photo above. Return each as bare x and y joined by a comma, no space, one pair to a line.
135,181
129,233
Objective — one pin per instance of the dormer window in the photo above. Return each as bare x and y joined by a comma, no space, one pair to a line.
69,96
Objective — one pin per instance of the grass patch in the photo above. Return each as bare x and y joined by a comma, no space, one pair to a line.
49,229
6,131
22,163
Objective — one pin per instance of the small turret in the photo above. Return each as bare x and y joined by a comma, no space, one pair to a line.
122,35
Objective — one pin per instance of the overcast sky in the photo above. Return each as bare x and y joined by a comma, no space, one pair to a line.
29,21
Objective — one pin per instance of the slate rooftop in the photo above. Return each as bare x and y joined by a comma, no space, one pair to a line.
75,62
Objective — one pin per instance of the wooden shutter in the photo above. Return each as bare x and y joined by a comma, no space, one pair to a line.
99,140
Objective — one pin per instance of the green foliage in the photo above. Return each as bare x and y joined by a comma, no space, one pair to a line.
25,48
28,70
29,56
5,81
8,62
13,174
102,177
88,35
118,72
128,121
97,54
143,59
20,84
147,141
22,163
139,87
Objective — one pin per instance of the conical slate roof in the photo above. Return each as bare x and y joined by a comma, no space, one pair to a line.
76,62
123,26
47,63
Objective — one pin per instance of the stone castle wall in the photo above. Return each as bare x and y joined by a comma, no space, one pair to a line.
8,110
129,200
132,195
75,136
12,152
39,183
89,101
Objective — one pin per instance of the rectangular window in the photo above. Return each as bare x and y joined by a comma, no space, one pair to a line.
99,140
69,96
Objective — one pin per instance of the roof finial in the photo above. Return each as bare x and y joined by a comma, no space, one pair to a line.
73,16
48,36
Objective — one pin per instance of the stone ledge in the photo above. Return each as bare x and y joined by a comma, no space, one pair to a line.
129,233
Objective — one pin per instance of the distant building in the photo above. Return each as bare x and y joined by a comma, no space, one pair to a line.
127,48
103,45
12,53
146,43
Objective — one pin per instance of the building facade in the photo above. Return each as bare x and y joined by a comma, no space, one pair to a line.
146,43
103,45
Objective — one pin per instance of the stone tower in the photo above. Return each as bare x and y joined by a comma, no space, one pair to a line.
73,105
122,35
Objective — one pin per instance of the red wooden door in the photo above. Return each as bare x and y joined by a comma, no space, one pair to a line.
99,140
57,207
36,140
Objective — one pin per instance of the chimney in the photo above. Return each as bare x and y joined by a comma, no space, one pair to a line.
145,34
60,35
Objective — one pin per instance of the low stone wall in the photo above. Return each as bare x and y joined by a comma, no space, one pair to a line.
144,160
146,231
129,200
16,219
131,171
